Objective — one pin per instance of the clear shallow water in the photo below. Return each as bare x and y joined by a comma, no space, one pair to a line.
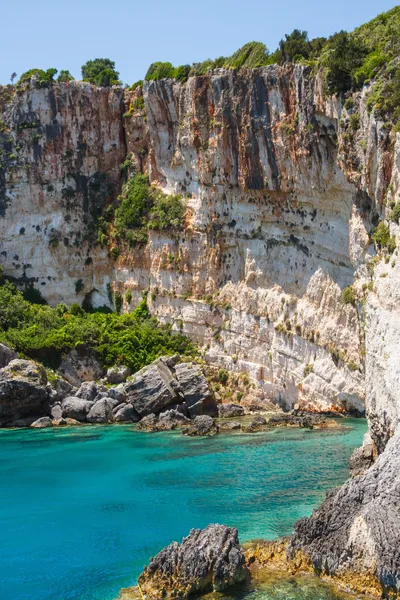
82,510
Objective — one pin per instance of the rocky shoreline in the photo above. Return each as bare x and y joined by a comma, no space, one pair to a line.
166,395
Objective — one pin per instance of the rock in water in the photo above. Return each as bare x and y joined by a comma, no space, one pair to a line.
23,391
42,423
355,534
207,560
202,425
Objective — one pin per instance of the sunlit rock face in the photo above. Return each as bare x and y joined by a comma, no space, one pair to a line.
62,151
281,199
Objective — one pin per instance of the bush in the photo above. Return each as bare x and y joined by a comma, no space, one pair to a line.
43,78
223,376
45,334
118,302
295,46
349,295
251,55
142,208
64,76
160,70
395,214
101,72
343,57
381,237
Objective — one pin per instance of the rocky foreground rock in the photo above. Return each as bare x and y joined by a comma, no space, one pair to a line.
207,560
23,391
355,534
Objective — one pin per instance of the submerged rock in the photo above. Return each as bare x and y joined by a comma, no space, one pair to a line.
230,425
355,534
23,391
257,424
207,560
230,410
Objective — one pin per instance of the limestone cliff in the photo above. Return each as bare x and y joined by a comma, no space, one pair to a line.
281,193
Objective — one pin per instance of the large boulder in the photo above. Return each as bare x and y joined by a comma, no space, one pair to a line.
23,391
89,390
60,389
125,413
166,421
197,394
102,411
153,389
227,411
76,408
355,534
118,374
207,560
202,425
7,354
80,365
42,423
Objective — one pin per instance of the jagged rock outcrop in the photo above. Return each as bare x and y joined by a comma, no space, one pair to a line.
23,391
207,560
355,534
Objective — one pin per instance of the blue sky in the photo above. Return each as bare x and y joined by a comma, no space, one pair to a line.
64,35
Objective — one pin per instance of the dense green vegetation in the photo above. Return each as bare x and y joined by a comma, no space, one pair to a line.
64,76
45,333
100,71
382,238
44,78
142,207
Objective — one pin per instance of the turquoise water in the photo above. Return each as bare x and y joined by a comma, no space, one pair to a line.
82,510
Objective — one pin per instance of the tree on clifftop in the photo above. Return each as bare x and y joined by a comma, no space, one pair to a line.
101,72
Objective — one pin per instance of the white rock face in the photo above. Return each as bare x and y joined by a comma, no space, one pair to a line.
280,208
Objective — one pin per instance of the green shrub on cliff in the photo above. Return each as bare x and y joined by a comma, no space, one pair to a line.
382,238
101,72
45,333
251,56
142,207
43,78
64,76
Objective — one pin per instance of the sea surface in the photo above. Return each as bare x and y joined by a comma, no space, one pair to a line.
83,509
